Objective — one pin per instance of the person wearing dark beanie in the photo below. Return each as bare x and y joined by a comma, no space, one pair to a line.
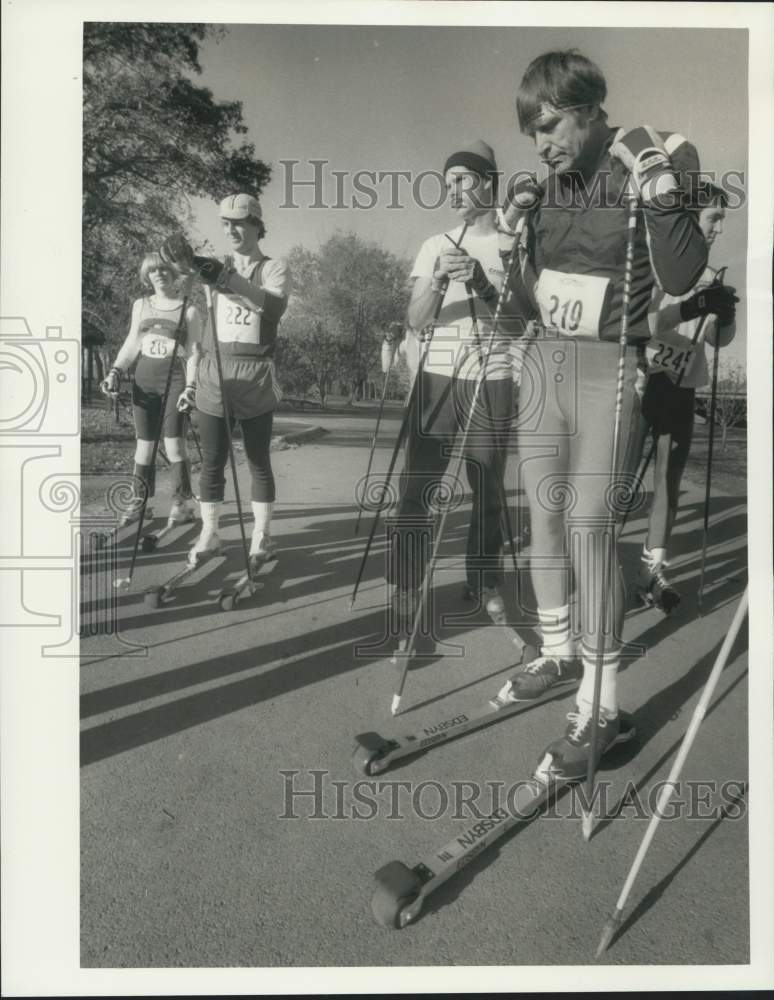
461,270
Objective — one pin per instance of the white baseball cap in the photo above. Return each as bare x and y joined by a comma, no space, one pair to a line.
240,206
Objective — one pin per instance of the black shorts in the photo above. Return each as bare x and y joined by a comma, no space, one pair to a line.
668,408
150,379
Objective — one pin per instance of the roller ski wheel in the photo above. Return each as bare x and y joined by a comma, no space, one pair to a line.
370,754
659,593
157,596
246,586
154,598
149,543
397,900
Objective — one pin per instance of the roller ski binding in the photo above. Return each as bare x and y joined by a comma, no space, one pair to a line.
263,550
182,512
205,549
654,589
401,891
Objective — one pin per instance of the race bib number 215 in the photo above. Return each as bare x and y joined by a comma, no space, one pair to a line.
572,303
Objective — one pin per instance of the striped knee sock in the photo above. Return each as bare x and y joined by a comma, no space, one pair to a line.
608,698
555,632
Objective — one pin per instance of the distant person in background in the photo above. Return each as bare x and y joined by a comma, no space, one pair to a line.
151,338
676,369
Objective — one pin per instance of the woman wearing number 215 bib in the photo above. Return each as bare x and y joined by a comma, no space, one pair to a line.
574,229
155,323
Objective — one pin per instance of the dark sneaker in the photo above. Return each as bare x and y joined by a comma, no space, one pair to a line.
567,759
543,674
657,592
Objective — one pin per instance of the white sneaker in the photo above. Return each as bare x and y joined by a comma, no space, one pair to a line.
133,515
182,512
262,545
208,543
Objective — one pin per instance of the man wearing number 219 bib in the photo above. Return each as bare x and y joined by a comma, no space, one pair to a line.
246,326
574,228
677,366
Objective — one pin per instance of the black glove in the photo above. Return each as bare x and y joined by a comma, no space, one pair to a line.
481,285
719,300
177,252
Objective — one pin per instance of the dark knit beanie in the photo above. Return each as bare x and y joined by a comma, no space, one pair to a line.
478,157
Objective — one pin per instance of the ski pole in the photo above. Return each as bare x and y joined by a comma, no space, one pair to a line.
666,792
713,406
126,581
608,550
717,280
373,441
406,656
408,411
506,516
227,421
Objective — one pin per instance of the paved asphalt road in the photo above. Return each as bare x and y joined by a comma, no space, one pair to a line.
186,860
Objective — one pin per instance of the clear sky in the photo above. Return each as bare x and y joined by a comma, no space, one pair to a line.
402,98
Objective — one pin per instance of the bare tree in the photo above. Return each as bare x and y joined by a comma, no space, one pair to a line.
731,409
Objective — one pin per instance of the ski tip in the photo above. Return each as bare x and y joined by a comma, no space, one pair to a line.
395,707
587,825
608,932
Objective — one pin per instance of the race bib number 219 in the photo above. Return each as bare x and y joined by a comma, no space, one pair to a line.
572,303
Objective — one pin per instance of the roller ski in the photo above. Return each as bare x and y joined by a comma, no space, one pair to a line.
375,754
494,606
653,588
183,512
206,548
263,551
401,891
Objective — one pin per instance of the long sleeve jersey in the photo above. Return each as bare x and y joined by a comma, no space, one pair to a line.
576,243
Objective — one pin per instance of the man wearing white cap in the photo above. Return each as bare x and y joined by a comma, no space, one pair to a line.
250,295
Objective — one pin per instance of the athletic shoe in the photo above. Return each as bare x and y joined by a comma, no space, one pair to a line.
654,589
262,546
489,596
208,543
182,512
543,674
133,514
570,754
